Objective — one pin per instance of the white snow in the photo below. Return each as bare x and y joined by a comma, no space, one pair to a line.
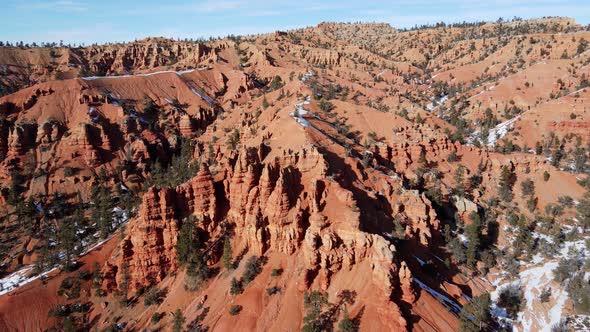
435,104
535,277
497,132
179,73
19,278
300,112
438,295
500,130
577,91
463,238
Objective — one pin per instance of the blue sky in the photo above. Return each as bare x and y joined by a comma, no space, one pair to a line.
87,21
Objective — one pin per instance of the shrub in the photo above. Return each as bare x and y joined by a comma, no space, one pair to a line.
235,309
252,269
511,299
178,321
156,317
236,287
546,176
545,295
70,288
69,171
476,314
579,291
452,157
325,105
273,290
565,269
152,297
276,272
528,187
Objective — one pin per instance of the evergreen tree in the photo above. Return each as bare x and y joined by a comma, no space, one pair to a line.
512,300
527,187
235,287
252,269
314,302
276,83
102,214
15,188
473,232
476,315
346,324
97,279
26,212
227,256
459,178
188,241
583,211
177,321
197,271
68,241
233,139
506,180
124,286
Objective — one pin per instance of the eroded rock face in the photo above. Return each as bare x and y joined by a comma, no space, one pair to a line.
20,138
464,205
148,252
81,140
283,205
48,132
149,53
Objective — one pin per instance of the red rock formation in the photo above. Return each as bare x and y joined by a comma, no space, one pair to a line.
148,250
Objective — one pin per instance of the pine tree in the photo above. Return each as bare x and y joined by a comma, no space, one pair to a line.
68,241
15,188
314,302
102,212
227,256
459,178
235,287
197,271
476,315
188,240
346,324
124,286
505,189
177,321
26,212
527,187
583,210
97,279
103,206
473,232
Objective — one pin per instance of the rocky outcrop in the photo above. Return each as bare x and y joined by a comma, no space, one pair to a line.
410,143
149,53
464,206
148,251
81,140
48,132
186,126
20,138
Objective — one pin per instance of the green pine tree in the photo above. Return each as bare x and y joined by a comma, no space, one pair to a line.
227,255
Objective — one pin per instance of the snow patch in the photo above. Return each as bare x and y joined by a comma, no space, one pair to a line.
179,73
